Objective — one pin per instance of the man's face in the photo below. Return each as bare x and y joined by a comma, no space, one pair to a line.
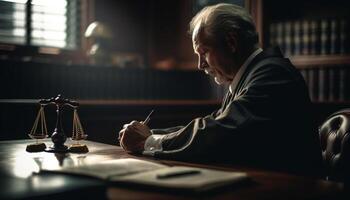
212,60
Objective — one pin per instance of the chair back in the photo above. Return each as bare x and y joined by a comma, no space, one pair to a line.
334,136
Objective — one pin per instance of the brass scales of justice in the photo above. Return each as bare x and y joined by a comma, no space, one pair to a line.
58,137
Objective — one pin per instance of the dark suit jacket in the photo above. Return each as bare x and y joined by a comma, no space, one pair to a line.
267,121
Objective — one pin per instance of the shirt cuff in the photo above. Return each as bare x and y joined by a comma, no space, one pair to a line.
153,144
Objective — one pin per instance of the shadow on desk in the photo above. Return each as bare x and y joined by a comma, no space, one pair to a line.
51,187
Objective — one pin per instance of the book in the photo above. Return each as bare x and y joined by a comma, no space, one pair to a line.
137,172
342,82
305,50
297,37
288,38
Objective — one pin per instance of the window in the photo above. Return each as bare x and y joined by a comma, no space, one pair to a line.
43,23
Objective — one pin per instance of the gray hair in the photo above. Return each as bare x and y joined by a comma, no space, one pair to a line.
220,19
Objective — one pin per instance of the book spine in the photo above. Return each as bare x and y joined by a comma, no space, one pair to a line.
342,37
346,83
280,35
325,39
311,84
297,39
316,83
313,36
318,36
321,83
288,38
334,48
331,88
306,37
342,82
336,82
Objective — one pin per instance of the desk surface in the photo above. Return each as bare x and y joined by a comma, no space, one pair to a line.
17,167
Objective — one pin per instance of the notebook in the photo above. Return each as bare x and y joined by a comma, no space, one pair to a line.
137,172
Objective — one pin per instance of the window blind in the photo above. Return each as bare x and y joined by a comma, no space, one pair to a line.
40,23
13,21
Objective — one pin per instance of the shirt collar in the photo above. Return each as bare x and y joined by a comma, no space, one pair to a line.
243,68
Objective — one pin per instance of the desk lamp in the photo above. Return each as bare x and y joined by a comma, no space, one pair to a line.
101,36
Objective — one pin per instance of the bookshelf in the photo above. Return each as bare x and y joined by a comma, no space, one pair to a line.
315,35
305,61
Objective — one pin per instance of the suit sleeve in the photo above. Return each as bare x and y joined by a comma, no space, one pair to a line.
154,142
177,128
166,130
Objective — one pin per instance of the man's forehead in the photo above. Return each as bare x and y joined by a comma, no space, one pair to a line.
195,34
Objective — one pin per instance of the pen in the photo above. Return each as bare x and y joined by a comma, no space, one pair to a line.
145,122
177,174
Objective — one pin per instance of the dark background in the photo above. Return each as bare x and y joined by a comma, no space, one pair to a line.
111,96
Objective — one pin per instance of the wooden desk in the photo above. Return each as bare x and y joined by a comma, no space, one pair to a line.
18,181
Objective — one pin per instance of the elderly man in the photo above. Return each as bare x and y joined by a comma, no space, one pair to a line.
265,117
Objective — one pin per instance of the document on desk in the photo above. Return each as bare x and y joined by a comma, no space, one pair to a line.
131,171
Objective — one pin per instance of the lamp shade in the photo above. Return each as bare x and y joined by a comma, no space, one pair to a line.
98,30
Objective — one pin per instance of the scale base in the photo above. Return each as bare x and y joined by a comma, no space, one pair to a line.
78,148
59,149
36,147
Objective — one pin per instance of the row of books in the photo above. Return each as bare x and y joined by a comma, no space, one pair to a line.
328,84
311,37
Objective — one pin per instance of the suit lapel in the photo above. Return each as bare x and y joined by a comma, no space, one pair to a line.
271,52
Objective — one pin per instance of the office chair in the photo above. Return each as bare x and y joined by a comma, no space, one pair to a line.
334,136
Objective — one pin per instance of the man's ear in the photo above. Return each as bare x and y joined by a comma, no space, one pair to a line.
232,41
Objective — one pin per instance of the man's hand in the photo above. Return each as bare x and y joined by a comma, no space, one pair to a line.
133,136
